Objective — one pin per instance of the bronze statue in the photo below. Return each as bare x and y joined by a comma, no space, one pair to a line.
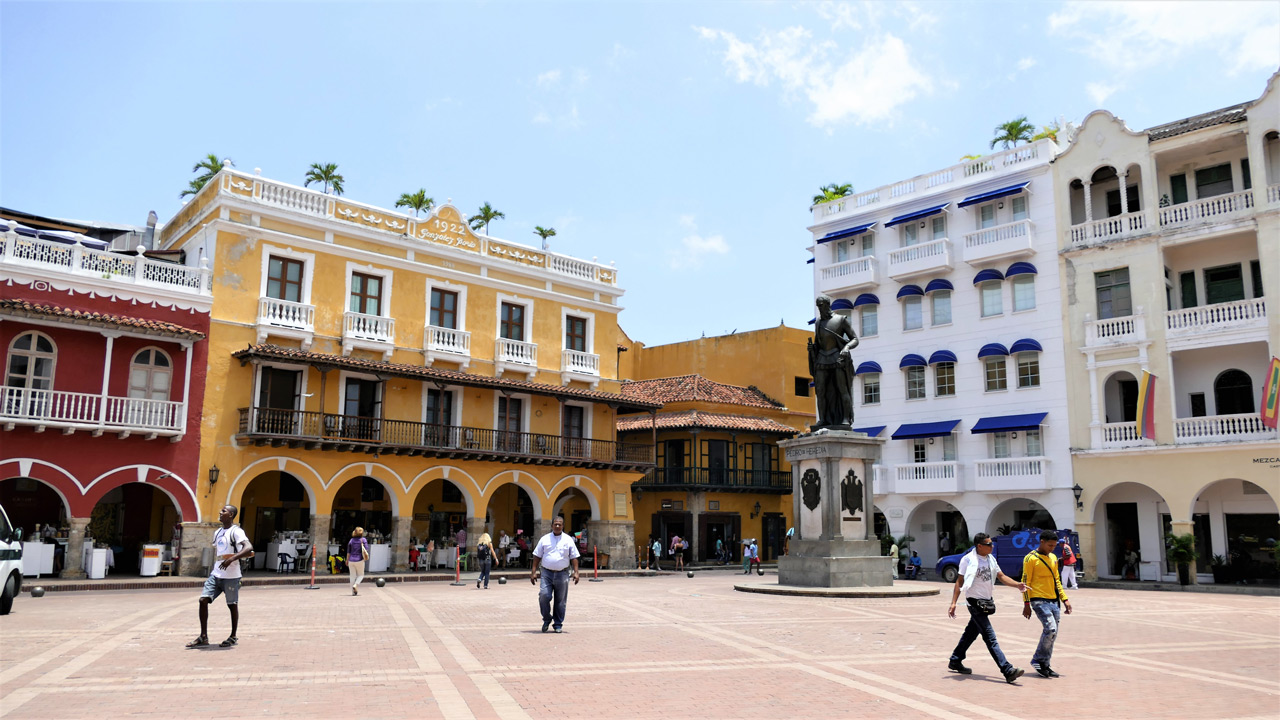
832,367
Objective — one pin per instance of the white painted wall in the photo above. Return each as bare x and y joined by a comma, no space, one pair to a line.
1195,370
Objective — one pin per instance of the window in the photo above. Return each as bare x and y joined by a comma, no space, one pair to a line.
992,298
939,227
871,389
802,386
278,391
1019,208
1233,393
919,450
439,417
1000,445
575,334
444,309
511,323
841,251
573,429
915,383
1113,293
949,447
1178,188
1198,406
870,320
1223,284
361,408
1255,273
1024,292
912,313
986,217
1034,447
366,294
284,279
510,422
910,234
868,244
940,307
715,458
944,379
150,375
994,368
673,456
1187,283
1113,200
1214,180
31,360
1028,370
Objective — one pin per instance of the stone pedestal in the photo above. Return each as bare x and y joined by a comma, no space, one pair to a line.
617,538
321,540
73,557
196,538
833,546
400,527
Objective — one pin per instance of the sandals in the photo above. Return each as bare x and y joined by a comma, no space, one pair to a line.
200,641
228,642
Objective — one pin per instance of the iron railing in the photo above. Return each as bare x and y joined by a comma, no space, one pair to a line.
717,478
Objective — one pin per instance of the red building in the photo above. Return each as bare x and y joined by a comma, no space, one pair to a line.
104,359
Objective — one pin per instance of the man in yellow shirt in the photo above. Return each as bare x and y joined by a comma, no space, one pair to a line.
1044,592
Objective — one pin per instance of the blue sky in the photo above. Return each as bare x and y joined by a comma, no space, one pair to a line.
683,140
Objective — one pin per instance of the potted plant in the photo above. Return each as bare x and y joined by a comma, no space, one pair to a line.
1221,570
1182,552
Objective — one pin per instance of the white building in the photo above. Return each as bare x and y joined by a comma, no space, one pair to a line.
952,280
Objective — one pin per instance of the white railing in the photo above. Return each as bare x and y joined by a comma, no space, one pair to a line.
448,340
516,352
80,260
146,414
1122,434
571,266
924,257
849,274
1120,226
374,328
1215,209
1219,316
999,241
293,198
580,362
60,407
1002,474
834,208
1115,331
1221,428
927,477
882,482
286,314
1273,194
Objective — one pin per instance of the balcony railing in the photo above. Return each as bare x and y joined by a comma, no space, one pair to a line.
849,275
370,328
1220,208
926,257
515,352
928,478
448,342
74,410
1112,228
286,314
1011,474
1221,428
1121,435
882,482
582,363
117,267
1002,241
327,431
1115,331
1219,316
725,478
1273,194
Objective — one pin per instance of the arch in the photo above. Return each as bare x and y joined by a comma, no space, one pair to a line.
1126,530
130,513
180,491
56,477
524,481
1233,393
1195,498
1120,397
561,495
372,470
1041,519
929,542
283,514
454,476
293,466
62,498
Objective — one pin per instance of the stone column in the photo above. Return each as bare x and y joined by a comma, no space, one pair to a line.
1185,527
1088,200
475,528
1089,549
540,527
697,501
320,539
73,560
617,538
1124,193
196,538
400,527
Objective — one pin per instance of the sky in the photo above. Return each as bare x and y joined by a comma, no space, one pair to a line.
682,140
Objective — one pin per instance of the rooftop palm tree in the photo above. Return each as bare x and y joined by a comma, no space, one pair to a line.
327,175
1048,131
1011,133
544,233
211,166
418,202
827,193
484,216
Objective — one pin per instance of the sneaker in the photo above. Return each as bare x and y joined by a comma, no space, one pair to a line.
545,625
1047,671
557,629
1041,670
957,666
1013,674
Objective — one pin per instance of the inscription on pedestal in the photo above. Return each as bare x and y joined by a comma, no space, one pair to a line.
807,451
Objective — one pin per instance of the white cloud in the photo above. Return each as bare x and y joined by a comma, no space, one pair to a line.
1099,92
620,52
548,78
694,247
1026,64
556,101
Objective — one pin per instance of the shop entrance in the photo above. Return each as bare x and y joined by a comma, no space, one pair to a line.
362,502
718,526
1123,540
775,534
38,509
128,518
275,512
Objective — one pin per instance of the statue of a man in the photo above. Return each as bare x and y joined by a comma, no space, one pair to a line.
832,368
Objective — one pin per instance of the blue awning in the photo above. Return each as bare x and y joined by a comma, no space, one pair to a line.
912,360
1025,345
841,304
988,274
916,215
867,367
813,320
938,285
809,261
1004,423
866,299
1020,268
942,356
993,194
992,350
909,290
873,431
841,234
925,430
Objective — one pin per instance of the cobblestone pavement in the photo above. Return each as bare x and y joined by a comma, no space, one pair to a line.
664,647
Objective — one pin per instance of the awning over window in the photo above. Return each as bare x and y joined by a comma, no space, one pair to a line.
917,215
988,274
938,285
809,261
1020,268
909,290
873,431
841,304
1025,345
942,356
1005,423
912,360
867,367
992,350
866,299
925,430
994,194
848,233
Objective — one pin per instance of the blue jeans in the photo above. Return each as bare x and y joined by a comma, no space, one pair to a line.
485,567
554,582
1050,615
980,624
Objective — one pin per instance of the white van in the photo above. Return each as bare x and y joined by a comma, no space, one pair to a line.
10,562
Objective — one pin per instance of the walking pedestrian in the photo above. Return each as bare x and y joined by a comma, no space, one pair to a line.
1043,595
720,550
1068,566
746,557
978,573
893,553
504,545
755,554
677,551
231,545
555,555
655,552
357,554
484,556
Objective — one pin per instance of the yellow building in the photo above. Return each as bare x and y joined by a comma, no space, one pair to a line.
726,402
404,375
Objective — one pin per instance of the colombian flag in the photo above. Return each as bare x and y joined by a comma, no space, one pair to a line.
1271,395
1147,406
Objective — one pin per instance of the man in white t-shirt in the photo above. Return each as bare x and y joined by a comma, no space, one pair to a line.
504,545
978,573
554,557
230,546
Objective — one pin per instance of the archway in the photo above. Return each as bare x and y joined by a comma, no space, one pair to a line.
1129,542
1236,525
275,512
1120,397
1019,514
41,511
511,509
364,502
129,517
1233,393
939,529
576,507
440,510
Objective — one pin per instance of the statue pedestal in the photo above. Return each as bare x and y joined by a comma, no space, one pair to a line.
834,545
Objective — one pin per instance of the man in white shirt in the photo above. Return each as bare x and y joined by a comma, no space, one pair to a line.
230,545
554,558
978,571
504,545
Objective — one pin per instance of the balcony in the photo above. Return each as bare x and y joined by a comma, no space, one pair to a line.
1112,228
1273,194
1246,427
725,479
1118,435
927,478
929,257
515,355
1011,474
287,319
582,366
72,411
849,275
368,332
1206,326
1217,209
1115,332
348,433
116,267
443,343
882,483
1000,242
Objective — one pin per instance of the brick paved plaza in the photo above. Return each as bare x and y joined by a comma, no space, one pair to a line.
664,647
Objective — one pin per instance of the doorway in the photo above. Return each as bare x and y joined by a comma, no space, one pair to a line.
775,533
1122,537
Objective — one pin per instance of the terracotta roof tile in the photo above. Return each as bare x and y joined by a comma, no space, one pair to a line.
699,419
25,308
695,388
1233,114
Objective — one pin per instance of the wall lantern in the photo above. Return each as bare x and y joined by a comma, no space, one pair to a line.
1078,492
755,512
214,472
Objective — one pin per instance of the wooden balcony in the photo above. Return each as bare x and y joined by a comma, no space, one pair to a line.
90,412
724,479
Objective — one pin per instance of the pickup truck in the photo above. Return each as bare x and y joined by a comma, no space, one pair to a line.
1009,551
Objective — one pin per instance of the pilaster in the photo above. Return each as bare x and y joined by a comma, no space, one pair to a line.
196,538
400,527
617,538
73,559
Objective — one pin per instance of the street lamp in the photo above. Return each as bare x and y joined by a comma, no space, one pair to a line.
213,474
1078,492
755,512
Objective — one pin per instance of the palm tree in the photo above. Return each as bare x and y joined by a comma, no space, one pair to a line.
544,233
1011,133
483,217
827,193
1048,131
327,175
211,166
418,202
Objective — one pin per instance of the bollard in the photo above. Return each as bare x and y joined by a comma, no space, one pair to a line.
690,573
380,582
457,568
595,564
760,572
37,591
313,585
502,580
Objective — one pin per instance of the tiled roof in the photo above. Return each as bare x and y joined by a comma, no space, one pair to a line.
1233,114
25,308
699,419
693,388
452,377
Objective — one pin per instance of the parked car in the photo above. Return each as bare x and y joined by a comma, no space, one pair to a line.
10,562
1009,551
